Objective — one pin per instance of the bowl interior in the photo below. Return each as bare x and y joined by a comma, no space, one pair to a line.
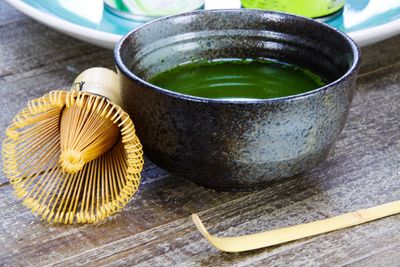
244,34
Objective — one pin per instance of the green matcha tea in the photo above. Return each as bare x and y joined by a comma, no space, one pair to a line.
237,78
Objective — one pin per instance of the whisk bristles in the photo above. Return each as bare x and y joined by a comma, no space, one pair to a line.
82,174
89,130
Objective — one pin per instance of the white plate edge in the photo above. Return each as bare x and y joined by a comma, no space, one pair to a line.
108,40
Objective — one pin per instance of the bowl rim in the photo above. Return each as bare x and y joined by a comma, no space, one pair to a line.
356,54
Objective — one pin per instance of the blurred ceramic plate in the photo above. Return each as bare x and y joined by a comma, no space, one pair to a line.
366,21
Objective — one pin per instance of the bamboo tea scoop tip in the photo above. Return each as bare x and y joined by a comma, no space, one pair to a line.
217,242
199,225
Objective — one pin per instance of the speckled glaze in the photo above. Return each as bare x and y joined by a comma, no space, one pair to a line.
229,144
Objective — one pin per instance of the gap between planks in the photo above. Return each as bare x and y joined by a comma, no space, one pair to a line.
372,254
377,70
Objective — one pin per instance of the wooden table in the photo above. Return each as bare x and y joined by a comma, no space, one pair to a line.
362,170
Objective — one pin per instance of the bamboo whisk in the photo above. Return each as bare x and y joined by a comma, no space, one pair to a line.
74,156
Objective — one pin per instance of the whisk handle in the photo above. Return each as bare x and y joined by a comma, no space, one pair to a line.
101,81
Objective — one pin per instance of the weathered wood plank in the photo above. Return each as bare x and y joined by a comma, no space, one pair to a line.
179,242
9,13
379,258
27,46
362,171
158,202
380,55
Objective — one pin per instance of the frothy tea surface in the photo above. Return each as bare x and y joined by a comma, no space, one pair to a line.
238,79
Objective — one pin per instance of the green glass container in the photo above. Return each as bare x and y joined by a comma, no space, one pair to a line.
145,10
306,8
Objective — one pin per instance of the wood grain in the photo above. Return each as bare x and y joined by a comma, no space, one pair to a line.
352,178
362,170
379,56
8,13
379,258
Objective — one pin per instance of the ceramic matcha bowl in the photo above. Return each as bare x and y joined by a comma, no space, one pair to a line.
238,144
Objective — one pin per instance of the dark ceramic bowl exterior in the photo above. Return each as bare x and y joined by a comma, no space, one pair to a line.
236,144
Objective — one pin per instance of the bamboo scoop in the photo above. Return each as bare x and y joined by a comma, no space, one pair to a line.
73,156
292,233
